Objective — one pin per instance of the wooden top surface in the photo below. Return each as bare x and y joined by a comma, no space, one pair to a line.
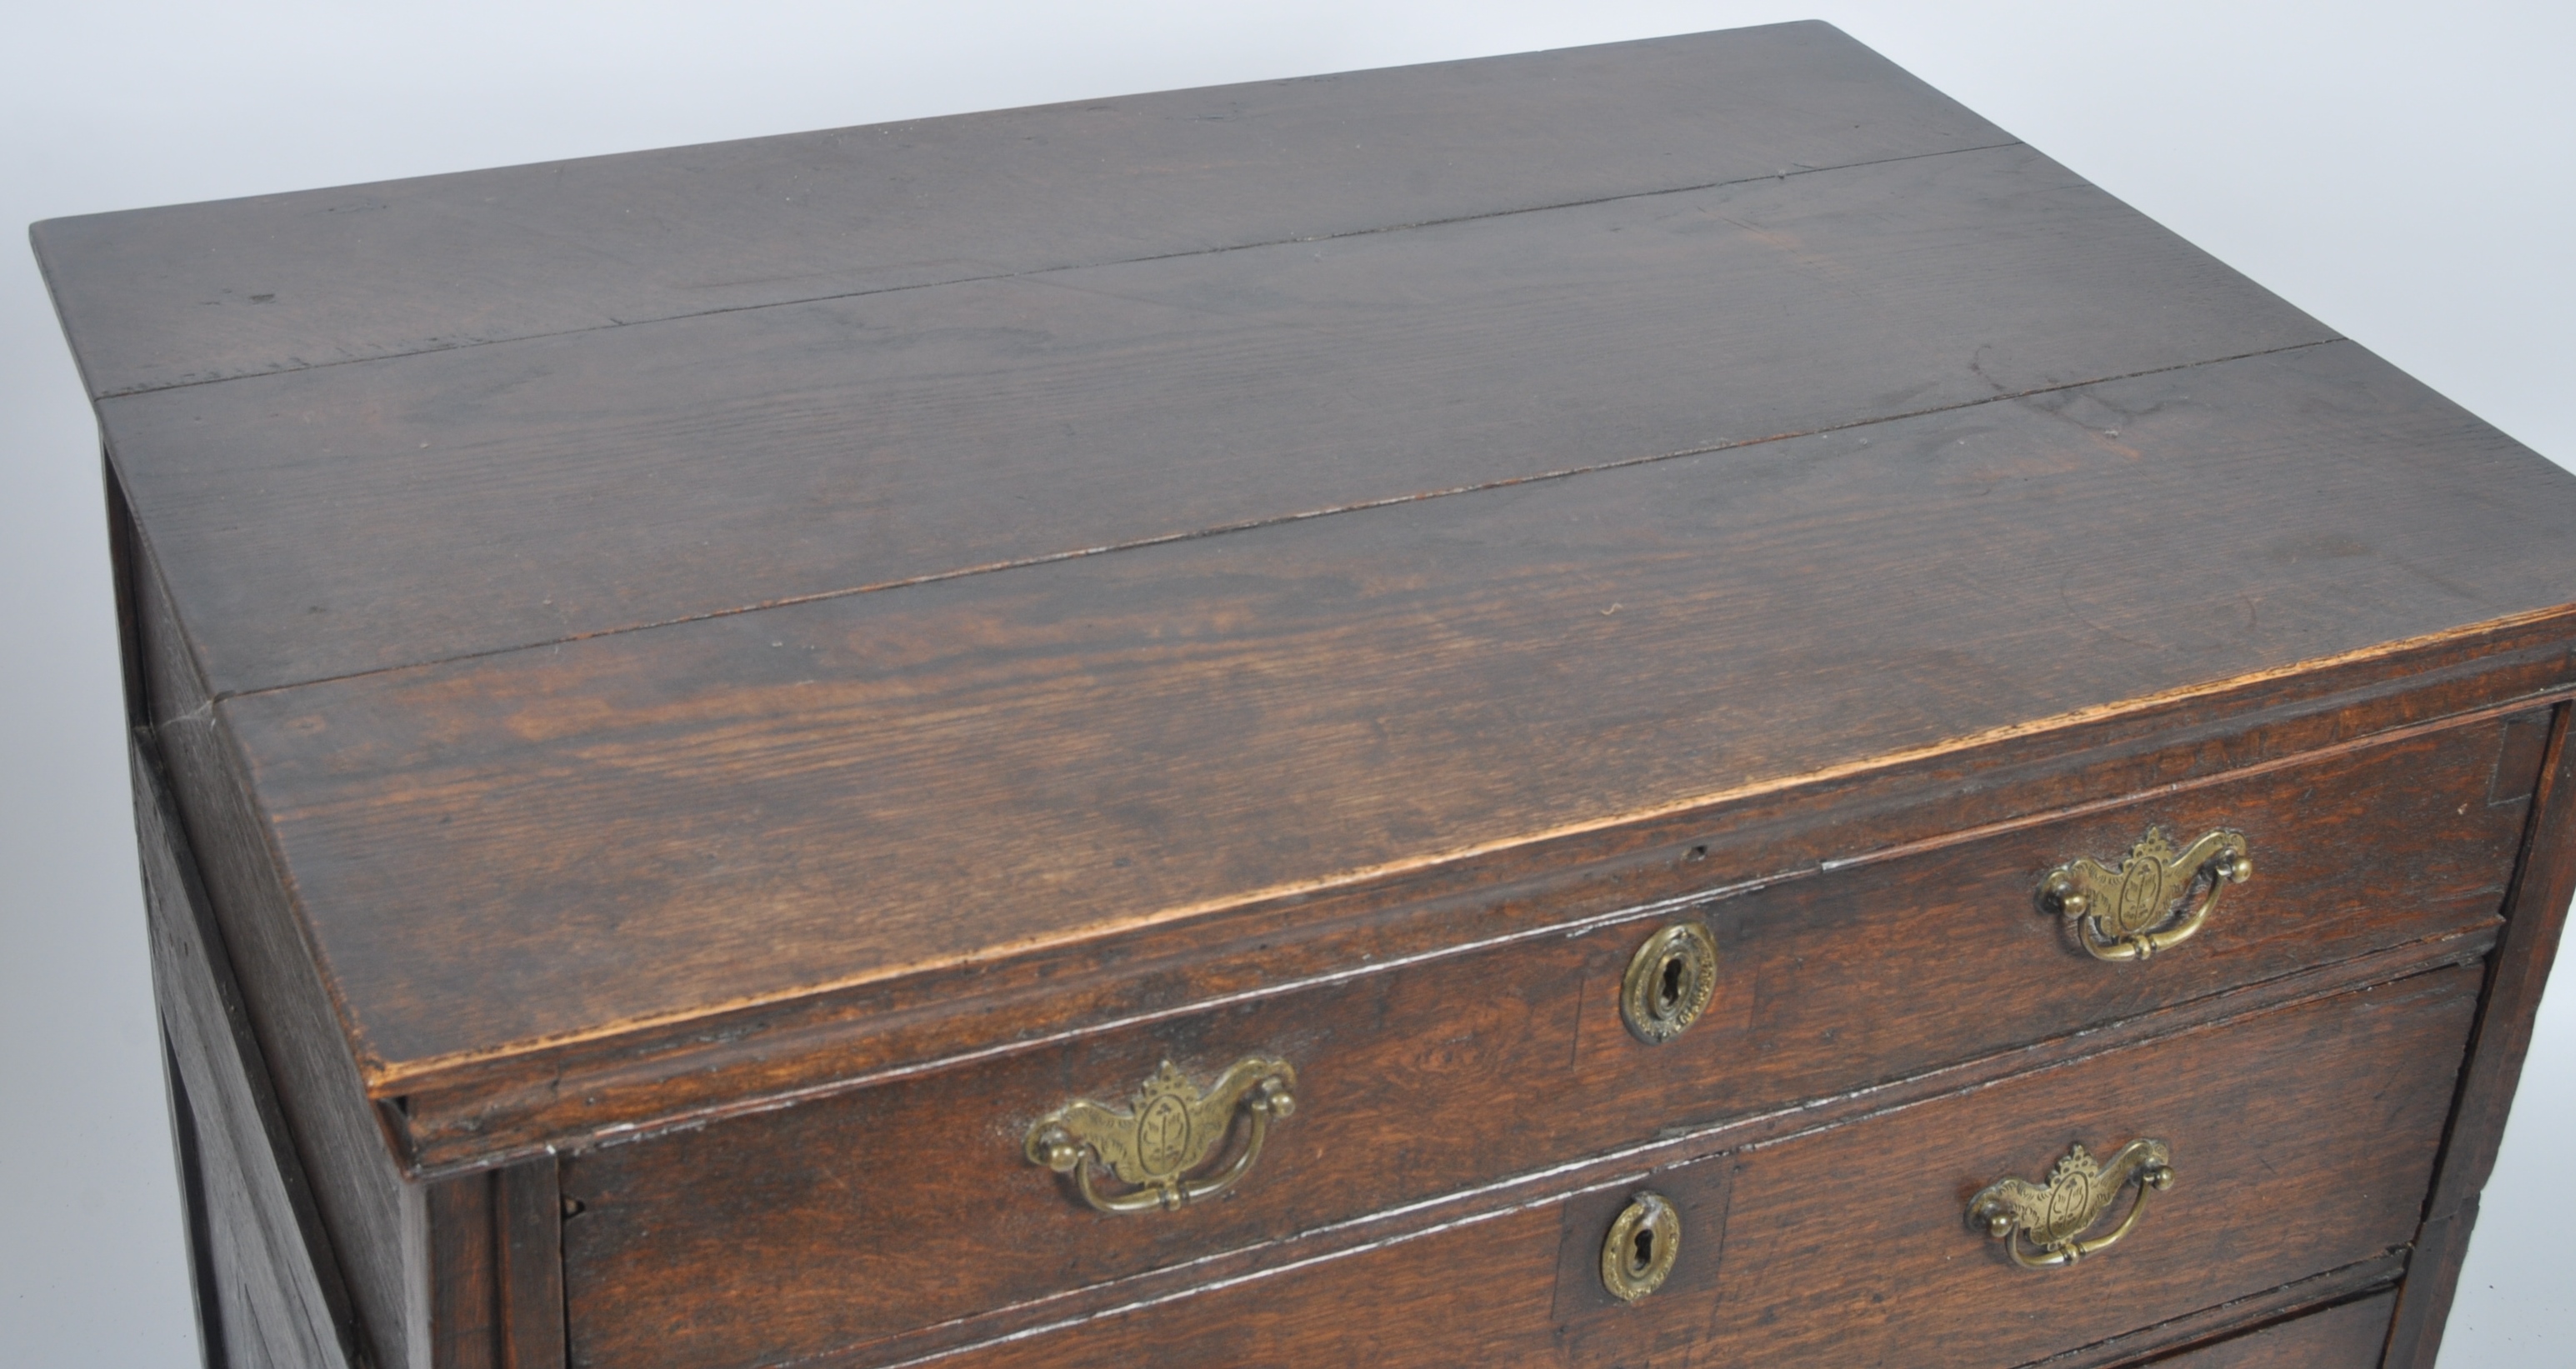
651,585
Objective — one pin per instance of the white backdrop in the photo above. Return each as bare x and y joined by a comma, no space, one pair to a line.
2405,172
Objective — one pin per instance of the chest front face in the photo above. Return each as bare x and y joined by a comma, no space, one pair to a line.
1617,706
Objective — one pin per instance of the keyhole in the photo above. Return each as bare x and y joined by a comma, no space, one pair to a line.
1641,1247
1666,985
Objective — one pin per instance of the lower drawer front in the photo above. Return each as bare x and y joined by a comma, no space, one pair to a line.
2302,1140
2347,1337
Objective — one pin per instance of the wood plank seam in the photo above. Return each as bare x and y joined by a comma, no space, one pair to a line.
728,993
1794,172
1255,524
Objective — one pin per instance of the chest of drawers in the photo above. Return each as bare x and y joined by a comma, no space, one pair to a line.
1648,705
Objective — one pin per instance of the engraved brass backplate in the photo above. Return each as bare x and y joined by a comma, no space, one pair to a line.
1638,1254
1669,982
2136,910
1171,1132
2054,1216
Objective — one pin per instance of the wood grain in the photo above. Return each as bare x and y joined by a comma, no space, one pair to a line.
760,1056
2536,914
495,1269
2360,1279
269,1285
372,1217
2536,911
191,293
497,852
767,666
205,1277
2270,1186
785,1234
1680,1146
511,495
528,1214
2424,1300
2302,1139
2345,1337
465,1316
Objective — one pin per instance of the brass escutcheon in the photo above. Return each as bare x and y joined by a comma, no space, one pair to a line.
2055,1216
2136,910
1638,1254
1173,1128
1669,982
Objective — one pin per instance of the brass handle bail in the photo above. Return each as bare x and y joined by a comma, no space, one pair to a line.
2135,910
2054,1216
1172,1130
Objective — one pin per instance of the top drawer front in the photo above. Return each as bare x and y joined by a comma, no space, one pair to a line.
853,1219
1892,967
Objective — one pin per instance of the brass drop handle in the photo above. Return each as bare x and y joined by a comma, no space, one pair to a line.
2054,1216
2134,911
1173,1128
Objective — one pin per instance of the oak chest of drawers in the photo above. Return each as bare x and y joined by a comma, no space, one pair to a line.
1650,705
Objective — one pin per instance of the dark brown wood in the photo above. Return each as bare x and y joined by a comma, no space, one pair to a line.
2362,1278
2338,1133
239,287
727,1231
757,1058
873,442
2519,762
528,1208
466,1325
495,1269
1184,728
1681,1145
1590,1324
691,696
372,1218
2300,1143
269,1284
2536,913
1095,760
2424,1301
2344,1337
